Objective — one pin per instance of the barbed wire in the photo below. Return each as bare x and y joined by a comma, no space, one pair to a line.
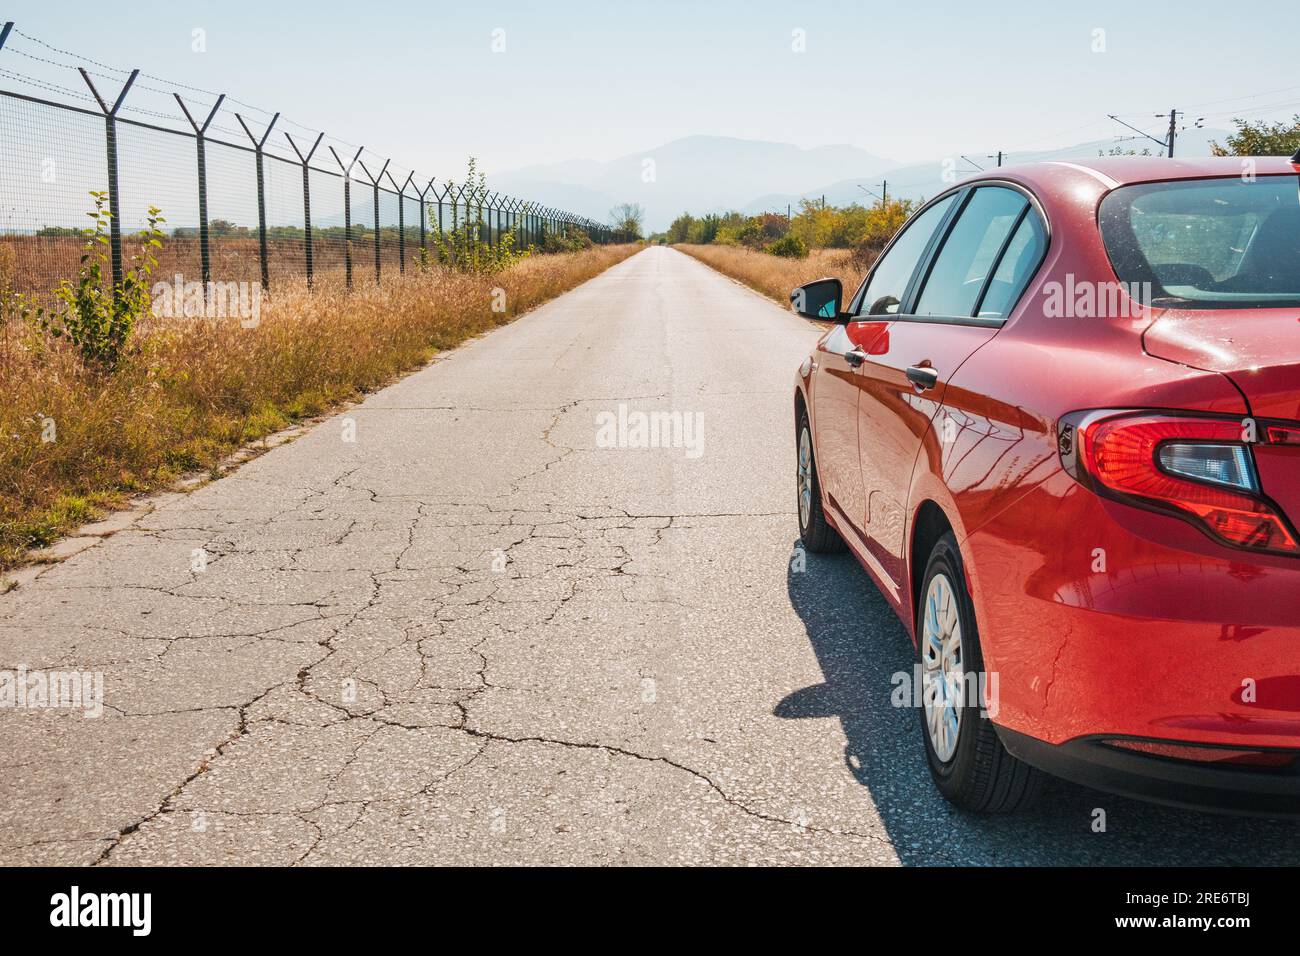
80,61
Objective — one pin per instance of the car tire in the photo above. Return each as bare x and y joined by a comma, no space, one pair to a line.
969,765
814,531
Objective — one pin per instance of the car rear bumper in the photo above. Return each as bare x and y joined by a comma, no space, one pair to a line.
1092,762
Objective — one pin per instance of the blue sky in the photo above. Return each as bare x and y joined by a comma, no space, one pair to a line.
420,81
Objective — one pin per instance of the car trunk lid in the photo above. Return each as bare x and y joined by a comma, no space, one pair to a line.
1259,351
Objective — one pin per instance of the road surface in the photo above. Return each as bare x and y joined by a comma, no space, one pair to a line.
489,629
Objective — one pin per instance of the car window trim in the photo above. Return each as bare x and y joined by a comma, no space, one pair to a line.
921,282
983,322
988,322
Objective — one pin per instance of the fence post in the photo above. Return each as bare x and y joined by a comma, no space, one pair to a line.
374,181
401,219
347,211
261,194
445,190
424,244
110,142
306,197
200,133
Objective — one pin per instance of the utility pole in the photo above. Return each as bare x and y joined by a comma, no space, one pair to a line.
1168,142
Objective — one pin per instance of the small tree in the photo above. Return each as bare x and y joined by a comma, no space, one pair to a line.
93,315
680,230
1261,139
463,248
627,218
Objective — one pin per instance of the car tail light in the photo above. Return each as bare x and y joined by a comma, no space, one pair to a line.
1199,469
1216,755
1283,434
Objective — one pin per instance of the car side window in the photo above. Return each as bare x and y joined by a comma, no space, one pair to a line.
889,280
970,252
1022,256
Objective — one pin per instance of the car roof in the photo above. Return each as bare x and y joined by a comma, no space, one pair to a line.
1114,171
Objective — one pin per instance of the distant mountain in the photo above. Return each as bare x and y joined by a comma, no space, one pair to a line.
699,173
704,174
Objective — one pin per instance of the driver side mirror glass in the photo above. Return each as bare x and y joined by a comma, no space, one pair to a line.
819,300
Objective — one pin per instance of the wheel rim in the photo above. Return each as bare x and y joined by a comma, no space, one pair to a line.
805,477
943,678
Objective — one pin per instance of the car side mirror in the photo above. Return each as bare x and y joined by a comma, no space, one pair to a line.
819,300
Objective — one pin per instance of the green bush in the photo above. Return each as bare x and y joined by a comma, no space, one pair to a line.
464,247
95,316
789,247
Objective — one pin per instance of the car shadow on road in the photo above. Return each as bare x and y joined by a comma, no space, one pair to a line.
860,646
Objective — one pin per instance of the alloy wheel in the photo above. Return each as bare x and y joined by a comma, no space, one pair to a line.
805,477
943,677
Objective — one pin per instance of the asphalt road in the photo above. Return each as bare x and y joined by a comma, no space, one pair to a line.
475,634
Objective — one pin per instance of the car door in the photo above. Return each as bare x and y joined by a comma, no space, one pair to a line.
941,320
839,356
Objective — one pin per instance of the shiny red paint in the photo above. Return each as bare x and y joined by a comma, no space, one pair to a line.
1161,643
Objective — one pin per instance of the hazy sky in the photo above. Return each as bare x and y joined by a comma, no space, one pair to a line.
420,81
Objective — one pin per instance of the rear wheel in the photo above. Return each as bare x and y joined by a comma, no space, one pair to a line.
969,764
815,532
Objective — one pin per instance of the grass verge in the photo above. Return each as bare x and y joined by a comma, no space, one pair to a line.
774,276
78,442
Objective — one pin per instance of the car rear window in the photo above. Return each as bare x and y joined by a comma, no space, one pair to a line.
1209,243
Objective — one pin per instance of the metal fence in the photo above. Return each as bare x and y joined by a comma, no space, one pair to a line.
246,202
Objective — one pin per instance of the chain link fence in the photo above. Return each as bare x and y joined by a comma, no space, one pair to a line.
244,199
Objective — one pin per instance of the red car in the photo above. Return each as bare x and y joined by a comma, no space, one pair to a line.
1059,426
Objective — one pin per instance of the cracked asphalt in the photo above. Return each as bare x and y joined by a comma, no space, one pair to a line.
472,635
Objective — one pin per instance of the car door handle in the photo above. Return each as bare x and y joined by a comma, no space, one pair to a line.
855,357
922,376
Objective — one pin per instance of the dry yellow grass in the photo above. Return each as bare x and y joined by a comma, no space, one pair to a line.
774,276
192,389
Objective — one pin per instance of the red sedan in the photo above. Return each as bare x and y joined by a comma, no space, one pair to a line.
1059,425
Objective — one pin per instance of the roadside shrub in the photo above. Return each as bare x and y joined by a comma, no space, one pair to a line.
789,247
463,248
93,315
569,239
